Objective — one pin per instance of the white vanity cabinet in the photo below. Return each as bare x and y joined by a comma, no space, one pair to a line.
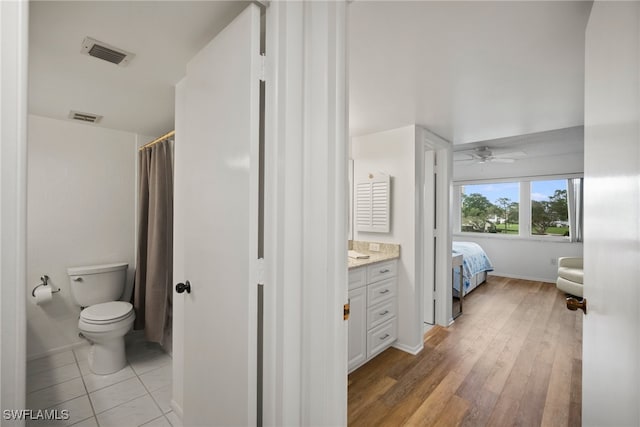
373,302
357,327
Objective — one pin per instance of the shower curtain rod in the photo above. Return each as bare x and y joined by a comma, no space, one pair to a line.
155,141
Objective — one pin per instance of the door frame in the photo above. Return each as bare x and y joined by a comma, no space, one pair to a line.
306,206
429,267
428,141
14,27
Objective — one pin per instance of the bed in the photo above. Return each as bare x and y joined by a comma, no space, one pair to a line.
475,265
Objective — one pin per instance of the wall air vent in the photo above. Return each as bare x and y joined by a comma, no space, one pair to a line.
84,117
106,52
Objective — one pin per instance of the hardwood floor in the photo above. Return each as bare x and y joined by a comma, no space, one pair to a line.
514,358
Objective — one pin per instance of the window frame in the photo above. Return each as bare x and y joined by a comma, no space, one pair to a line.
524,209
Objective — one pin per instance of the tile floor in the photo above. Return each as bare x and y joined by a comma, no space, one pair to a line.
138,395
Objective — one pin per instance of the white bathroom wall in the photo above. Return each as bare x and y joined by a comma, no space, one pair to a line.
557,152
393,152
81,211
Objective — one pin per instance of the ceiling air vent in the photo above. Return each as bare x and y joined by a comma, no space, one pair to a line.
84,117
106,52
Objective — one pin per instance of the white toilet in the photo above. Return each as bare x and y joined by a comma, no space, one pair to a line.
104,320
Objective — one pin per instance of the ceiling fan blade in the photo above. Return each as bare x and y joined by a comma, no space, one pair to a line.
466,152
512,154
461,155
501,160
464,162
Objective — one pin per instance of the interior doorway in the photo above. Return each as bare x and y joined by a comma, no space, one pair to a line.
433,230
430,239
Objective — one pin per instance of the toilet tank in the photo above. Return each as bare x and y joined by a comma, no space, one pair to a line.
95,284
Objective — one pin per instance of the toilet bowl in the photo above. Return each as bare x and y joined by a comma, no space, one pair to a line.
103,320
105,325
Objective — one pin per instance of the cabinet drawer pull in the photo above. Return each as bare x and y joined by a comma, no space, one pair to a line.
384,337
383,313
385,291
386,270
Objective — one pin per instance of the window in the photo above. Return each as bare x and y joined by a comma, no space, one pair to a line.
490,208
549,209
540,209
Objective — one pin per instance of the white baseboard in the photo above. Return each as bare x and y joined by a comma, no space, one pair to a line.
133,335
517,276
411,350
426,327
57,350
176,408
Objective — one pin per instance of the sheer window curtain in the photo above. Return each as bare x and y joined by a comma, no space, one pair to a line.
153,294
575,202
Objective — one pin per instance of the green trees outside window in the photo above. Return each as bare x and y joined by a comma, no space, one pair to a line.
495,208
481,215
550,216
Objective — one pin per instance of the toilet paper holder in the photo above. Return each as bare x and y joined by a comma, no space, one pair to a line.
45,282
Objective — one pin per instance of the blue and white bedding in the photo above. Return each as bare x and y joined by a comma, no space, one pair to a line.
475,261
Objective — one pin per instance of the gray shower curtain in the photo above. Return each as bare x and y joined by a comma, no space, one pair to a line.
152,297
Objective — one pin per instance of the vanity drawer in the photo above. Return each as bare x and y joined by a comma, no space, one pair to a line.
357,278
381,291
381,337
380,313
381,271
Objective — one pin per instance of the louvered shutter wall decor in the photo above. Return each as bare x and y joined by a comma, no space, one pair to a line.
363,206
373,200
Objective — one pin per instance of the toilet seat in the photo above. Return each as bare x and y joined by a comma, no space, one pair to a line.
106,313
105,326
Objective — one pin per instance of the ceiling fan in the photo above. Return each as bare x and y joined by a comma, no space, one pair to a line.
486,155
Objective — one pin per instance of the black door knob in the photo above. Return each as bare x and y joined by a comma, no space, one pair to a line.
181,287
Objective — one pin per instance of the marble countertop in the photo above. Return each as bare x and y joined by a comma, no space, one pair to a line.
387,251
373,257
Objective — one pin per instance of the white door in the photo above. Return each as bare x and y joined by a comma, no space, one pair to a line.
429,217
611,345
216,167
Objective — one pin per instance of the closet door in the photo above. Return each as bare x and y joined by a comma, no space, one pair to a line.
216,210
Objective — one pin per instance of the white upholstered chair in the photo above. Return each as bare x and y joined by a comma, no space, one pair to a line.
570,276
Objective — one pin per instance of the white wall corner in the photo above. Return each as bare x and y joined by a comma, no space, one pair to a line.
413,350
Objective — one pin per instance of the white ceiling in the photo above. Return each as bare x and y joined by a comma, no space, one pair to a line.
138,98
468,71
